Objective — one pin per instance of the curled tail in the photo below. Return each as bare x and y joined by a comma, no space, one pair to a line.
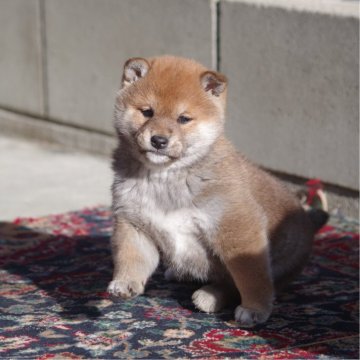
318,218
314,202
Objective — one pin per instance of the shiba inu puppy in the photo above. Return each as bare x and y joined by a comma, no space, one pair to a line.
182,193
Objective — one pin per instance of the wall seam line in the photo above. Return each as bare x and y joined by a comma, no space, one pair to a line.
44,58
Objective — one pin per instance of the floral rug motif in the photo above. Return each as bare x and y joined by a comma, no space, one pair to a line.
53,302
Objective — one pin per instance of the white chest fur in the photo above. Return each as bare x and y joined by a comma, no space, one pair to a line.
162,206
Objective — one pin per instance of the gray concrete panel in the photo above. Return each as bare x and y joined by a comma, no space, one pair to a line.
38,129
89,40
294,89
21,84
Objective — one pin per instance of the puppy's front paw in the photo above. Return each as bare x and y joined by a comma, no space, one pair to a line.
250,317
125,289
209,299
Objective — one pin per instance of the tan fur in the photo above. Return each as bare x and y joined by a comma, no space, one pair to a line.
209,212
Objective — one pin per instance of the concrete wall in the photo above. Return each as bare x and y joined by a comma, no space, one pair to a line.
294,89
21,67
292,65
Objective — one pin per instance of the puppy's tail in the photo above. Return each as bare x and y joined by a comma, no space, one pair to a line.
314,202
318,218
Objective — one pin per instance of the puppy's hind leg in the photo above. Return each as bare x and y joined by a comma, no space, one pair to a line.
214,297
135,259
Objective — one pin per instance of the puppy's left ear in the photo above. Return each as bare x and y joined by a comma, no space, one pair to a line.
134,69
213,82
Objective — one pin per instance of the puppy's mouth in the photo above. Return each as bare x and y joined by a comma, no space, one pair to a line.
158,157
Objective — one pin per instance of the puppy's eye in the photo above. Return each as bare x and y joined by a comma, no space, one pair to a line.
147,112
183,119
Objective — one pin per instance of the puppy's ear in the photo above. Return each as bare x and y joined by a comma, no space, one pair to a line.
134,69
214,82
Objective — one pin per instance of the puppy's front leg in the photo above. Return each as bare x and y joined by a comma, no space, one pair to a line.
246,256
135,259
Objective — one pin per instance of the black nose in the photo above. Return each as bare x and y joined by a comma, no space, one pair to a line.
159,142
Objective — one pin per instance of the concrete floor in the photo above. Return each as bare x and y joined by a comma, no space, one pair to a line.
39,179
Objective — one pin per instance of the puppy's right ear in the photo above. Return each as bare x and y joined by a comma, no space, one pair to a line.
134,69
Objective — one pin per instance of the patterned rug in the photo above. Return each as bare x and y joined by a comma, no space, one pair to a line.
54,272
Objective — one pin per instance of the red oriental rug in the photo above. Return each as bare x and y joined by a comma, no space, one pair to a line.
54,273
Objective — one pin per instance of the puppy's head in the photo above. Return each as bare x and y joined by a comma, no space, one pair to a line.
169,110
